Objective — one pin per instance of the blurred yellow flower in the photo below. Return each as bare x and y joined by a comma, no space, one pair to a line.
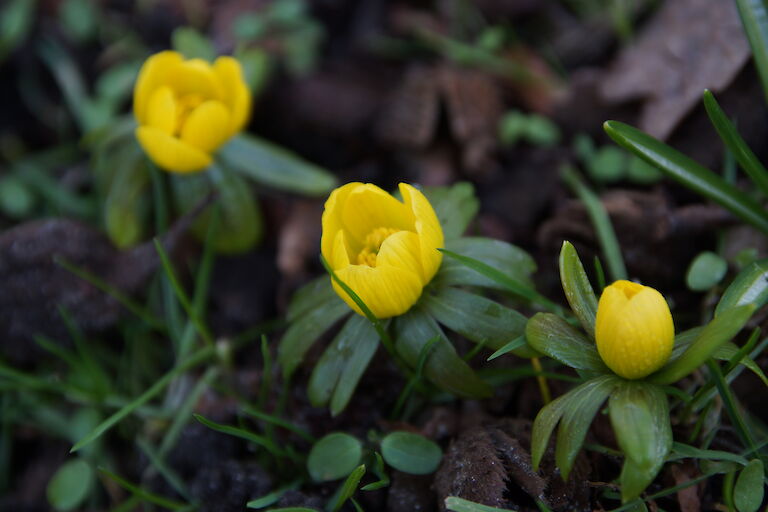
186,109
633,329
383,249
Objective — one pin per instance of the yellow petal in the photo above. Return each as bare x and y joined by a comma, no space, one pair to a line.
207,127
332,222
402,250
339,257
428,228
368,207
634,331
162,110
237,96
169,152
387,291
195,77
153,74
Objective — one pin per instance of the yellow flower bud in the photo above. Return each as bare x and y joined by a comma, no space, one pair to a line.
633,329
186,109
383,249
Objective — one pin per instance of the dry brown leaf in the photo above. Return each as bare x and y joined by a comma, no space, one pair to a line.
687,46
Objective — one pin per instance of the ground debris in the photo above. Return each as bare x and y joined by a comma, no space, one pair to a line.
491,465
37,288
684,49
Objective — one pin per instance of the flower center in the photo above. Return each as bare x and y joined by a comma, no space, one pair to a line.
372,244
185,105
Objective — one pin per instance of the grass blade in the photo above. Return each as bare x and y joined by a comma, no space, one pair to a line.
730,136
754,18
688,173
199,357
600,220
145,495
509,283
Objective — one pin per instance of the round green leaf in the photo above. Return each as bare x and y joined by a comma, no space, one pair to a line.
334,456
749,490
608,164
706,270
16,200
641,172
70,485
411,453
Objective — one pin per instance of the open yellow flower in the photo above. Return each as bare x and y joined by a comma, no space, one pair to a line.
383,249
633,329
186,109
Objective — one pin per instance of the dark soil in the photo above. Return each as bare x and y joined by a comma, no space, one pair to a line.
383,106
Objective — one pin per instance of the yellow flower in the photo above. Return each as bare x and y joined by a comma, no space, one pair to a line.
186,109
383,249
633,329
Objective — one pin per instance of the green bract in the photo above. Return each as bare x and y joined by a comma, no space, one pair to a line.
417,339
638,409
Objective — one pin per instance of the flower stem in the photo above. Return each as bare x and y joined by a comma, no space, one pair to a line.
543,385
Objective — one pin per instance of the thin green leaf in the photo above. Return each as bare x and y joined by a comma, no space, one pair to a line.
475,317
415,379
256,439
456,504
739,355
182,296
578,290
720,330
344,361
551,335
142,493
580,408
506,258
685,451
750,286
271,165
198,358
688,173
274,496
754,18
513,345
168,473
305,330
113,292
379,471
269,418
347,489
732,408
600,220
508,282
639,414
730,136
444,367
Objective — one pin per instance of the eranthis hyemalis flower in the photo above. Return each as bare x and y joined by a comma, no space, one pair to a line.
384,249
186,109
633,329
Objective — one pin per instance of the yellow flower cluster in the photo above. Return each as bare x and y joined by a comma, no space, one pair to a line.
385,250
633,329
186,109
